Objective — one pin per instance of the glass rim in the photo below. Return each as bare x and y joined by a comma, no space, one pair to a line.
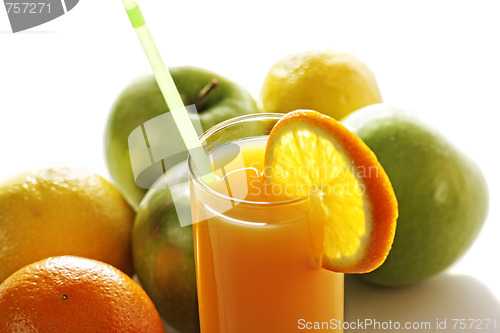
222,125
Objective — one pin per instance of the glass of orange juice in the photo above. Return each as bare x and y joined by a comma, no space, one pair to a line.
255,266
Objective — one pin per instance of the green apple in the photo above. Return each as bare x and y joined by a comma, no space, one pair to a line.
442,194
163,253
216,99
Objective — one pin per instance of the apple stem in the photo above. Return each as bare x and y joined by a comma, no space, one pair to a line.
202,96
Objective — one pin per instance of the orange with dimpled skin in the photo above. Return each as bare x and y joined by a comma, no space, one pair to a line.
73,294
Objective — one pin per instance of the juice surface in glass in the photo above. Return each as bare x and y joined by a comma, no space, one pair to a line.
255,267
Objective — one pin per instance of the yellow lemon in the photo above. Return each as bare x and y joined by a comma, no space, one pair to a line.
63,211
330,82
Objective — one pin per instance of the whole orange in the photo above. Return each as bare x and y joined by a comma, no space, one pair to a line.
63,210
72,294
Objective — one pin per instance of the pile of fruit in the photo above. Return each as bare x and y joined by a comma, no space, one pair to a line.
71,242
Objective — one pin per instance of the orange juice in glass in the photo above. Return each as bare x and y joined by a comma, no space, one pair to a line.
254,261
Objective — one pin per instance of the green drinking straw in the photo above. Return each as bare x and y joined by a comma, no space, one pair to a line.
168,89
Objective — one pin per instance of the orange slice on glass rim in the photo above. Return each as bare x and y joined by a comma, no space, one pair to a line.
351,202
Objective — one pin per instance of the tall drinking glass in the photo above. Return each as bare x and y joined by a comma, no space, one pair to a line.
255,267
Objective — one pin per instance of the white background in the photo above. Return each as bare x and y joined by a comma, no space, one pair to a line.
440,59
